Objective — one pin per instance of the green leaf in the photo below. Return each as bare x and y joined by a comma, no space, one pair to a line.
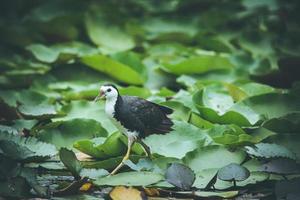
289,123
38,111
184,138
255,89
196,120
198,65
271,105
64,134
101,147
119,71
68,158
43,53
232,172
87,110
158,27
130,179
109,164
235,92
217,106
108,36
142,165
212,156
281,166
266,150
135,91
93,173
28,148
206,194
180,176
15,151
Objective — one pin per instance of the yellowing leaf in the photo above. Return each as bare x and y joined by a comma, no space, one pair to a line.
235,92
123,193
86,187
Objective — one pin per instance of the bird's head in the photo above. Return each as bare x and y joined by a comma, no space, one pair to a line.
108,91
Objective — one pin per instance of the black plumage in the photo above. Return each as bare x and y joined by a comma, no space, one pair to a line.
142,116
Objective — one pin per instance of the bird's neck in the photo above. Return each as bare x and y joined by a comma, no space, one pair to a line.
110,105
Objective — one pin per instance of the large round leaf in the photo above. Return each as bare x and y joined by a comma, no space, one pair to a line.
184,138
180,176
64,134
113,68
130,179
87,110
212,156
234,172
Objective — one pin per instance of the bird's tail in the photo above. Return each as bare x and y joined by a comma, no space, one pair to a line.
164,127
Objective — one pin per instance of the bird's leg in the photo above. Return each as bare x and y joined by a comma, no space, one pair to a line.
146,148
126,157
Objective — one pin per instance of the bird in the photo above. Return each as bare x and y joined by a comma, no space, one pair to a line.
135,117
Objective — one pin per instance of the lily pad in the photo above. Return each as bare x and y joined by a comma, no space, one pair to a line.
25,148
113,68
130,179
87,110
212,156
184,138
64,134
233,172
198,65
281,166
93,173
110,37
180,176
266,150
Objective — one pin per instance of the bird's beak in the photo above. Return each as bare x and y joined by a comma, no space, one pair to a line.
100,96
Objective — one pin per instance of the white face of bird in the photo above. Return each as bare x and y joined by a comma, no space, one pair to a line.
107,92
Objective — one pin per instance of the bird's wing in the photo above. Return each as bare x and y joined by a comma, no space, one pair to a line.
153,116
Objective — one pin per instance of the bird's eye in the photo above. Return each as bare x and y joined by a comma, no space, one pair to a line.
108,90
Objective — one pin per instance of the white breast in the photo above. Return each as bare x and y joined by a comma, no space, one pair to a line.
110,108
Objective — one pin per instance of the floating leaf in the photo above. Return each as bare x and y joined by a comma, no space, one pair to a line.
266,150
123,193
184,138
43,53
130,179
38,111
205,177
206,194
180,176
281,166
87,110
212,156
106,35
25,147
218,107
93,173
115,69
198,65
142,165
233,172
64,134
